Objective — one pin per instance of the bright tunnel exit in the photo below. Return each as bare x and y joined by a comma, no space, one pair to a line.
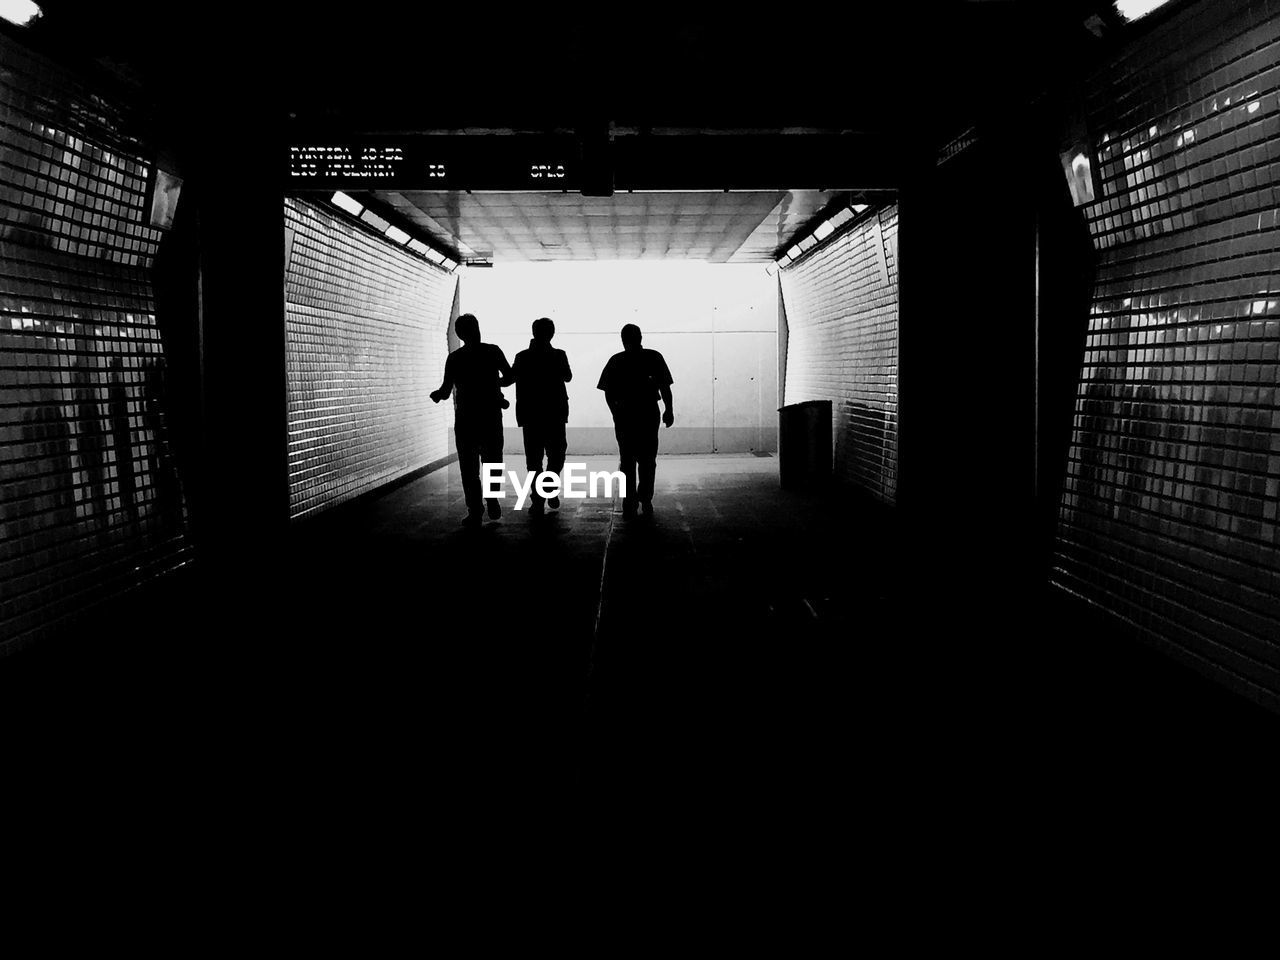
716,325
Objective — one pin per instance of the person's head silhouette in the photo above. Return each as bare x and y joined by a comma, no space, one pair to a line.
631,337
467,327
543,329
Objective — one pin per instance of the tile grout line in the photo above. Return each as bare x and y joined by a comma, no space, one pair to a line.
604,567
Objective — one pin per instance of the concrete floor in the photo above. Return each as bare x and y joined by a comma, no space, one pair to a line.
586,654
749,663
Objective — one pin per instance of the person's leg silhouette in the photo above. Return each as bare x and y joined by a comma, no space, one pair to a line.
469,456
556,445
625,431
491,452
534,446
646,450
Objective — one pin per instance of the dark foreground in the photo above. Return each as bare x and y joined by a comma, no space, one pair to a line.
751,669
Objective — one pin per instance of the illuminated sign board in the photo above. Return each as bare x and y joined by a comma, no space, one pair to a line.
556,162
330,161
426,163
546,171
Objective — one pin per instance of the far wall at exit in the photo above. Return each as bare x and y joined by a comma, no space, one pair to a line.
716,324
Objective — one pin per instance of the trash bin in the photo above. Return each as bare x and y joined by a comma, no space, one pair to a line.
804,444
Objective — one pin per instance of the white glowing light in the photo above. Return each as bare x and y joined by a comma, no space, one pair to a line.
1253,107
20,12
1133,9
859,207
378,223
1079,173
825,229
348,204
397,235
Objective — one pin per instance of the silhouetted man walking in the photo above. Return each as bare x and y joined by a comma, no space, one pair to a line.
478,371
632,382
542,404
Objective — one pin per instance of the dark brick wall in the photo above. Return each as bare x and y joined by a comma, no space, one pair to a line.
90,497
1169,514
842,319
366,344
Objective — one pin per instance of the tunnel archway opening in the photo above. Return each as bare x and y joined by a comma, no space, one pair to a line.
716,325
696,270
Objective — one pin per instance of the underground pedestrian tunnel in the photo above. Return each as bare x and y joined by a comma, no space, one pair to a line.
1033,534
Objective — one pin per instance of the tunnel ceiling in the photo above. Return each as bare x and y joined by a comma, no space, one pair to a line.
918,71
739,227
232,92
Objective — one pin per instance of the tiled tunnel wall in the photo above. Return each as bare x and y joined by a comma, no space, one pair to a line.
1169,513
366,341
90,497
842,317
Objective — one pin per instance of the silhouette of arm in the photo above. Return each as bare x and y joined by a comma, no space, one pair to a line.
504,368
663,376
564,359
606,384
446,387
